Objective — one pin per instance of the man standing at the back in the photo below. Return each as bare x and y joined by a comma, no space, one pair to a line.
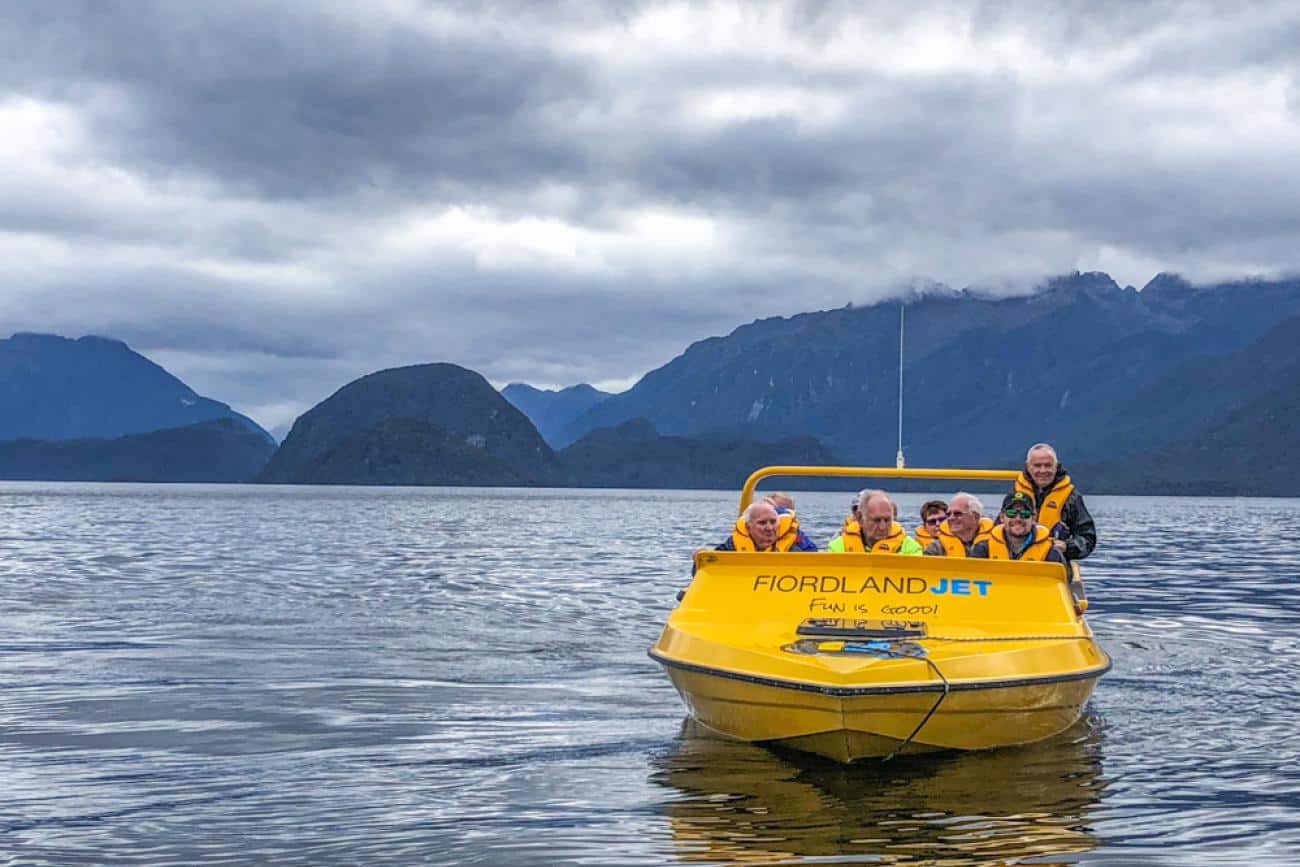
1060,507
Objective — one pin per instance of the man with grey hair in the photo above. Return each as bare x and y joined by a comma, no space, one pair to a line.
875,531
965,526
762,528
1060,507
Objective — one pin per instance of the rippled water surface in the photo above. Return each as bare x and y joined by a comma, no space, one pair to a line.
195,674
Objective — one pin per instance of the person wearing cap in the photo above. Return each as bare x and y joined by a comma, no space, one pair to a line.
933,513
1057,504
762,528
875,531
965,526
1018,537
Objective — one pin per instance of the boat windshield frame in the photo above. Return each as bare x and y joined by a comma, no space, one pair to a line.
747,492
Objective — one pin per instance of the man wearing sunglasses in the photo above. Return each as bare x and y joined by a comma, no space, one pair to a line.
965,525
1019,536
1057,504
933,513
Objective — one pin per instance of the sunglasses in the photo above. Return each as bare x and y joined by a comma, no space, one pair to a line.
1018,513
936,520
956,514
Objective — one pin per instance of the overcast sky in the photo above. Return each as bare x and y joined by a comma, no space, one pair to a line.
272,199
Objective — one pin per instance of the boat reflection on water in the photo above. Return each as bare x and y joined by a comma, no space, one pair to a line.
745,803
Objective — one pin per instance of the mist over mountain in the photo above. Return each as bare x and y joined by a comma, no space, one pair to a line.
551,411
1174,388
1103,371
56,388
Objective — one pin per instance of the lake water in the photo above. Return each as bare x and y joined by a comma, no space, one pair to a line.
194,674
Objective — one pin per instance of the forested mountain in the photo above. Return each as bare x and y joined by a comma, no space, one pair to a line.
552,411
440,407
1234,421
634,455
407,452
1174,388
55,388
220,450
1103,371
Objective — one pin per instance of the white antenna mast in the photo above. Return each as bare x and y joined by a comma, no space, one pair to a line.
898,459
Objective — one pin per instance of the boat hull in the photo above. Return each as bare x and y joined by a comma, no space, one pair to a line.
855,656
873,724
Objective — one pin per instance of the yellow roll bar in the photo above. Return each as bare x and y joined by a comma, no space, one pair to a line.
747,493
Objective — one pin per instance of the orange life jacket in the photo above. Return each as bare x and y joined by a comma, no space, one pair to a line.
953,546
1049,511
888,545
787,532
925,535
1037,550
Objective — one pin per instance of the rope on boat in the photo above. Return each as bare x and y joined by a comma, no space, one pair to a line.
1012,638
947,686
929,714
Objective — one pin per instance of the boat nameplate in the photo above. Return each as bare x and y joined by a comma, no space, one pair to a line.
846,627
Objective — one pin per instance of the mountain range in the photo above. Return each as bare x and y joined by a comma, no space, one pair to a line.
55,388
635,455
93,409
1174,388
1109,374
218,450
439,424
552,410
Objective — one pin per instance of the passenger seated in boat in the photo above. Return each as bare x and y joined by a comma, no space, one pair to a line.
965,526
933,513
1057,503
876,530
1018,537
761,528
854,515
782,501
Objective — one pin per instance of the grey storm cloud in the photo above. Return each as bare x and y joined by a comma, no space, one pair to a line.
274,197
297,101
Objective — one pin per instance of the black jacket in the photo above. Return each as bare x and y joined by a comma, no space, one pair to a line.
1081,531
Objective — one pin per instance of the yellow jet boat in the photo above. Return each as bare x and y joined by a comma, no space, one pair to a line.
857,656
